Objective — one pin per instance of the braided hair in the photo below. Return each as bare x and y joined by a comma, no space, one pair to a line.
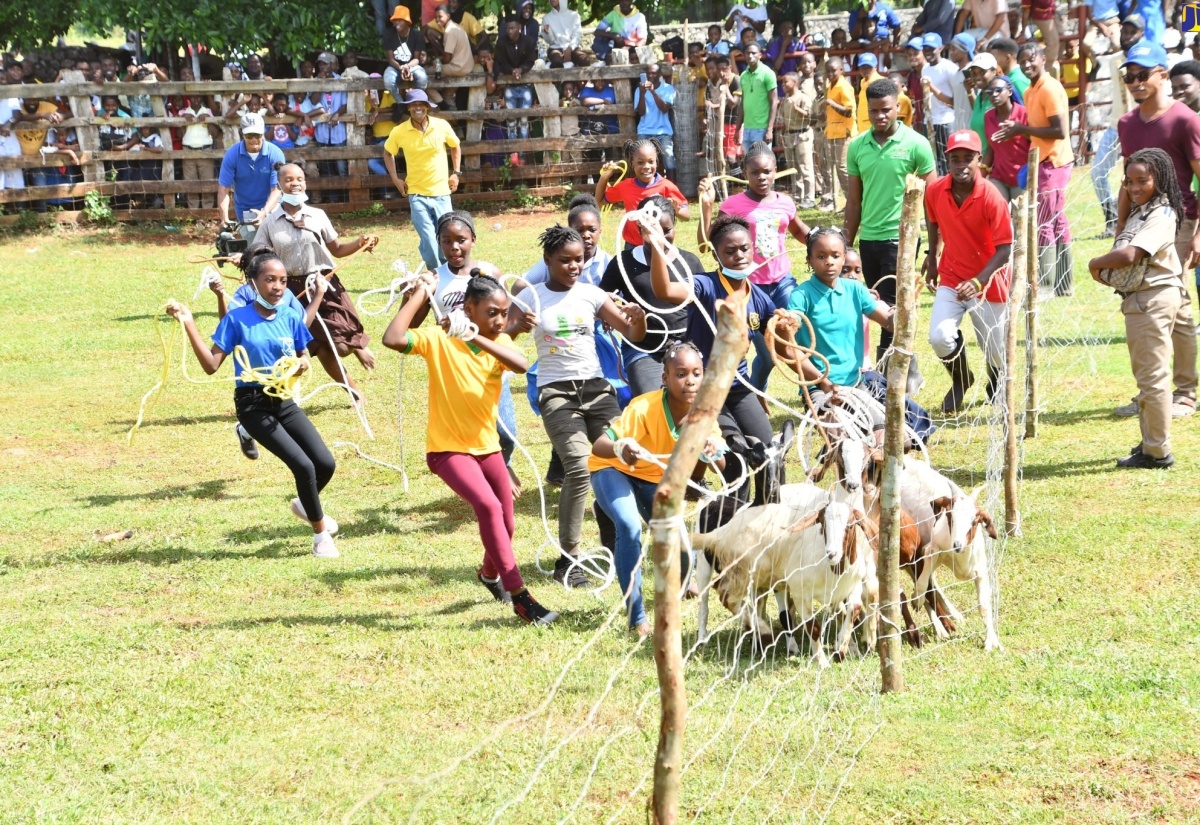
723,225
818,232
459,217
675,347
758,149
556,237
632,147
480,286
1166,182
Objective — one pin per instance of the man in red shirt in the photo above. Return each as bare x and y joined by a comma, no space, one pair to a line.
970,217
1162,123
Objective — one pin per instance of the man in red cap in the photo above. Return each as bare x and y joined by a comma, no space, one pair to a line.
972,273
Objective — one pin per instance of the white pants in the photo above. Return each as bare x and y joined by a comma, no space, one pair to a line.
989,320
10,147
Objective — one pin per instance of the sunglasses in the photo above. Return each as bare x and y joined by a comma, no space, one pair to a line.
1131,78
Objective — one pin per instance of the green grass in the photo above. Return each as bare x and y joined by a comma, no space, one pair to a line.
208,669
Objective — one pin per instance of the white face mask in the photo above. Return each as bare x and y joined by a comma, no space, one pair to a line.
296,199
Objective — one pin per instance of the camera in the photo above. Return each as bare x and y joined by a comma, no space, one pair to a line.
229,242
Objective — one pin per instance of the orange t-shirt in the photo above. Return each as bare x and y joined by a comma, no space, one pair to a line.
1043,100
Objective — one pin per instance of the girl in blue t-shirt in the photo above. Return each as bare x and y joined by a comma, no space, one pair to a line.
269,330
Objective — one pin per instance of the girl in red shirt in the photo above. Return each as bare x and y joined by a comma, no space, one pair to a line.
643,158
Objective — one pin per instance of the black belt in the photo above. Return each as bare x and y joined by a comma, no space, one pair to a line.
799,131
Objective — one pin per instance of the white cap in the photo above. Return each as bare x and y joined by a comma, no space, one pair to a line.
984,61
252,124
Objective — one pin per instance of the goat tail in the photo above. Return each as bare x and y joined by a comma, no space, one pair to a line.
705,541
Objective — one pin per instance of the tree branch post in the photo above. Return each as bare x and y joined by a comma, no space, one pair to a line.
904,327
666,527
1031,313
1016,302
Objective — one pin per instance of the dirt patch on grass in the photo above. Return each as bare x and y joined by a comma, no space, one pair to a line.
1139,790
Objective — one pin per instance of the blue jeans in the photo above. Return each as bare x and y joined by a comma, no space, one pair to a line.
1107,155
518,97
780,293
627,501
667,142
391,79
425,212
752,136
508,417
383,14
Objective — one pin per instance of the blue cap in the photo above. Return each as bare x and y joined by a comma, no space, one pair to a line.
916,43
867,59
418,96
1146,54
965,42
932,40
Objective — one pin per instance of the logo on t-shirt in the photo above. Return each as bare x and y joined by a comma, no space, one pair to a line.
288,346
1191,17
753,320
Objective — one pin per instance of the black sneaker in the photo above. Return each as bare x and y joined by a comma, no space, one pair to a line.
569,574
1142,461
527,608
494,587
249,448
555,474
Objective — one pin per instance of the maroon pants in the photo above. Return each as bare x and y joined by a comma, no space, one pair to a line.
482,481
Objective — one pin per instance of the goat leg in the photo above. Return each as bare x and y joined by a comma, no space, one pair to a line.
785,622
911,634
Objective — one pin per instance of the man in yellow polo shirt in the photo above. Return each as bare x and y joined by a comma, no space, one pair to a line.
424,140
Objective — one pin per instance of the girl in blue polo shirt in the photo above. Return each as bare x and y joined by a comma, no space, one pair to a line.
733,247
269,330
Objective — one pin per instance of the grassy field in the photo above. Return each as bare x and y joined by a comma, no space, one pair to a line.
208,669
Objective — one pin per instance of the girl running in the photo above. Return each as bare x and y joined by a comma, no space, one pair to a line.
576,401
771,215
461,443
733,248
268,330
644,361
624,484
1143,267
643,158
307,243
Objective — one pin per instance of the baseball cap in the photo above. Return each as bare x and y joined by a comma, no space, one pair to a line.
984,61
252,124
1146,54
931,40
402,13
867,59
916,43
326,57
1135,20
418,96
964,139
965,42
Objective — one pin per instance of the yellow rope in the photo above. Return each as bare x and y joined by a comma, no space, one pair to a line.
606,208
147,405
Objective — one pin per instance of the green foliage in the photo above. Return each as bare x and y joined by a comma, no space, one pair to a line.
522,199
97,208
375,210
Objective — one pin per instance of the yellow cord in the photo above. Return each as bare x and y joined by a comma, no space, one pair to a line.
147,405
606,208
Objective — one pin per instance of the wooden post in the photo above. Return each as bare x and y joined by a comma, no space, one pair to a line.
356,135
1031,315
477,106
1016,300
623,92
905,328
687,136
89,136
728,351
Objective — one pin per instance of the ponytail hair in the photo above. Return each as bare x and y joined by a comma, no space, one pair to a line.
632,147
480,286
252,263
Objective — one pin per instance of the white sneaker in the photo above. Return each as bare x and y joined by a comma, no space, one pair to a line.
325,548
331,526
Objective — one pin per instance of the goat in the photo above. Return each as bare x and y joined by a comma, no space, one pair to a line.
949,520
815,556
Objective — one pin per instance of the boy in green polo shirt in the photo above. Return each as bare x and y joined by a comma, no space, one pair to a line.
760,100
878,163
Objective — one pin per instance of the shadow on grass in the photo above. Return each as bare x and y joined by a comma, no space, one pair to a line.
1063,469
123,425
214,489
161,316
427,574
1067,418
161,556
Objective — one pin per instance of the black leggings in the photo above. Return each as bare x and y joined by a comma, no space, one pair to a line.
284,429
745,410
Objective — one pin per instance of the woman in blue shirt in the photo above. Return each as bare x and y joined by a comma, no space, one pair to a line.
267,331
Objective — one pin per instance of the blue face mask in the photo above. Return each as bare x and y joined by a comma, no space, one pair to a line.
297,199
265,304
735,274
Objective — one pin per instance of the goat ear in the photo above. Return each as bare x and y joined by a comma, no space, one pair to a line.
817,473
940,505
807,521
975,493
850,542
982,517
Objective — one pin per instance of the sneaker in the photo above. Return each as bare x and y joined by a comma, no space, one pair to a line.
1181,410
555,473
1141,461
569,574
1128,410
527,609
808,203
331,526
249,448
494,587
324,548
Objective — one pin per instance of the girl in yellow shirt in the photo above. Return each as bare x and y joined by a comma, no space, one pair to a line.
461,444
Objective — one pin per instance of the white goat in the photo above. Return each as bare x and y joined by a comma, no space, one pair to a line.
949,521
815,556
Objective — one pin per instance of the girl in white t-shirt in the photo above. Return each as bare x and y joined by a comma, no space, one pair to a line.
576,401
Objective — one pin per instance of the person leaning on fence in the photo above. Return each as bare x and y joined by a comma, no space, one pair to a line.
457,60
515,55
430,181
1143,267
329,131
248,170
405,52
197,137
967,267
